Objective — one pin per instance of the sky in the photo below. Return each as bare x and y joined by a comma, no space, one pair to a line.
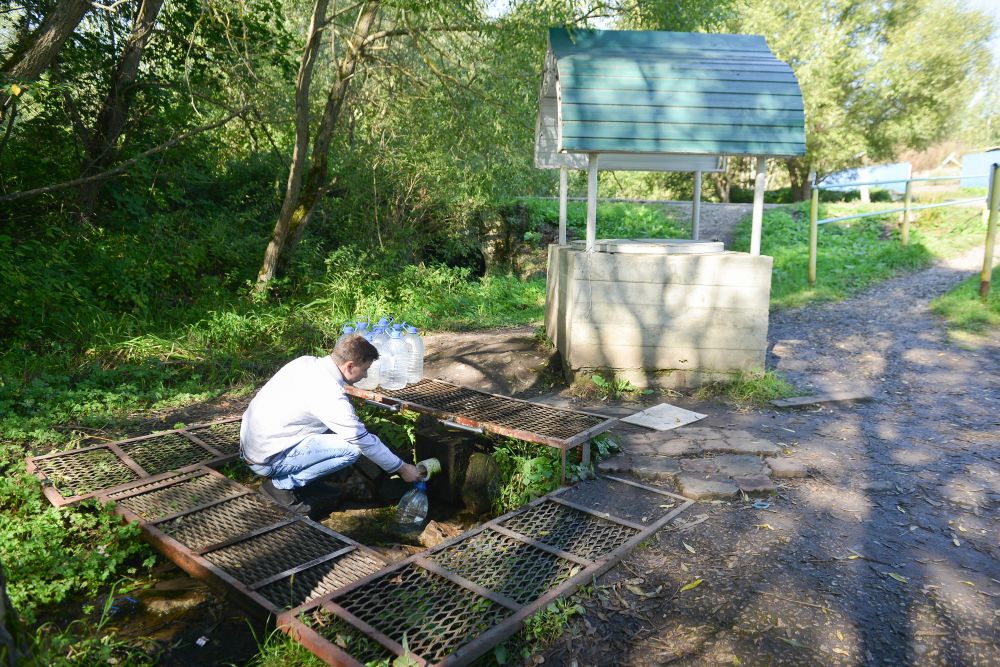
991,8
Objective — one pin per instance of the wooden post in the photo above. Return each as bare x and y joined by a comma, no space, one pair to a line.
591,201
991,232
758,206
563,187
813,232
904,235
696,207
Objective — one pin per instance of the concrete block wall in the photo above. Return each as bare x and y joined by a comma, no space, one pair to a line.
658,320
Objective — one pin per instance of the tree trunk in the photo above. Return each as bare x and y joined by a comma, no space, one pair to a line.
798,174
33,56
100,150
300,202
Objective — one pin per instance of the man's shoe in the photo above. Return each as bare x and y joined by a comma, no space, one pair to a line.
284,497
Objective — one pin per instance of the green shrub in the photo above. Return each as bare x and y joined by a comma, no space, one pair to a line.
622,220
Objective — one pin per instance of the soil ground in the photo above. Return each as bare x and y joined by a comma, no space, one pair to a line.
887,554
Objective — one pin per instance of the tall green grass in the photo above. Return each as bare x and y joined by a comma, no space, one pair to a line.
963,309
853,255
614,220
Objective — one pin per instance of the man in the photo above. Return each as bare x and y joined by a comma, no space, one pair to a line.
301,425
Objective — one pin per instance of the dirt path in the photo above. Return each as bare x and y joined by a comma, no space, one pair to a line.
887,554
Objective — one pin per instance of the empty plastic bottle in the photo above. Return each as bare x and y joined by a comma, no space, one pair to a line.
411,512
361,328
370,382
393,370
415,361
345,332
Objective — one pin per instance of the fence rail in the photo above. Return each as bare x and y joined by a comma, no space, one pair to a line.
989,211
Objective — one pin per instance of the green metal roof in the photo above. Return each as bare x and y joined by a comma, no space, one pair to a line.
667,93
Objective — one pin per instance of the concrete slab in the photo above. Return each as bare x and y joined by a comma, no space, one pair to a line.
783,468
664,417
664,470
698,488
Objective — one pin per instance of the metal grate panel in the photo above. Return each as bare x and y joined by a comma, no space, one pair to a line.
162,453
488,408
224,521
274,552
223,437
348,638
163,501
321,579
571,530
437,616
77,473
505,565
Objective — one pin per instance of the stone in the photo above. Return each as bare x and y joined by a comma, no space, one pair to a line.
435,533
482,480
741,442
677,447
703,466
699,433
697,487
879,485
740,465
755,484
655,469
783,468
620,463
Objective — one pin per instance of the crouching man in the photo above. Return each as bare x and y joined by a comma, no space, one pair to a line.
301,425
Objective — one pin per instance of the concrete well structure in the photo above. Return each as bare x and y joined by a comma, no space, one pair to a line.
659,320
667,313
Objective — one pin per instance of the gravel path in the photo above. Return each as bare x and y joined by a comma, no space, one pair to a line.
888,554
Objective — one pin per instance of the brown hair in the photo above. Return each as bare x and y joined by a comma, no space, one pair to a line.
354,348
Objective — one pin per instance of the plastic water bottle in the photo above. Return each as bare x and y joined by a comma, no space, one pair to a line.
361,328
371,382
415,362
347,331
393,374
411,512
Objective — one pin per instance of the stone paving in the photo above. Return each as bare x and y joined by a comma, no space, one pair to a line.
703,462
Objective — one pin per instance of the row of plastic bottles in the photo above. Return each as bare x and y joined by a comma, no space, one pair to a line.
400,353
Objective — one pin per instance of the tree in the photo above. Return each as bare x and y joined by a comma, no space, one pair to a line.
875,77
103,138
36,51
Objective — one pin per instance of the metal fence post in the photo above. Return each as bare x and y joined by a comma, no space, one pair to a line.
813,233
991,231
907,202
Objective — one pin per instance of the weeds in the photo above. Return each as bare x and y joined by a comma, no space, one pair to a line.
965,312
616,387
749,389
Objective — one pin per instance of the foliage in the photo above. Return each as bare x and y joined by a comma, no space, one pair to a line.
749,389
851,255
963,309
551,622
604,446
52,554
874,76
397,430
616,387
527,471
614,220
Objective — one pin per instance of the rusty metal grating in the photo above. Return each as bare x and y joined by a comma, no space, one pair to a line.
571,530
348,638
177,494
320,579
274,552
436,615
224,521
81,472
75,475
507,412
223,437
508,566
162,453
456,601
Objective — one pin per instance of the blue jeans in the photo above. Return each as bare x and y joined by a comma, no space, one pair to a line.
316,456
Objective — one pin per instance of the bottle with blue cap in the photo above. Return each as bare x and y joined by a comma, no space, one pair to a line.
415,361
411,512
345,332
393,375
370,383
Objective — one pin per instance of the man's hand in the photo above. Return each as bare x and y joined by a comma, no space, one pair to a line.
409,473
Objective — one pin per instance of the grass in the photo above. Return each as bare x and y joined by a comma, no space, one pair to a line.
853,255
967,315
614,221
749,390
